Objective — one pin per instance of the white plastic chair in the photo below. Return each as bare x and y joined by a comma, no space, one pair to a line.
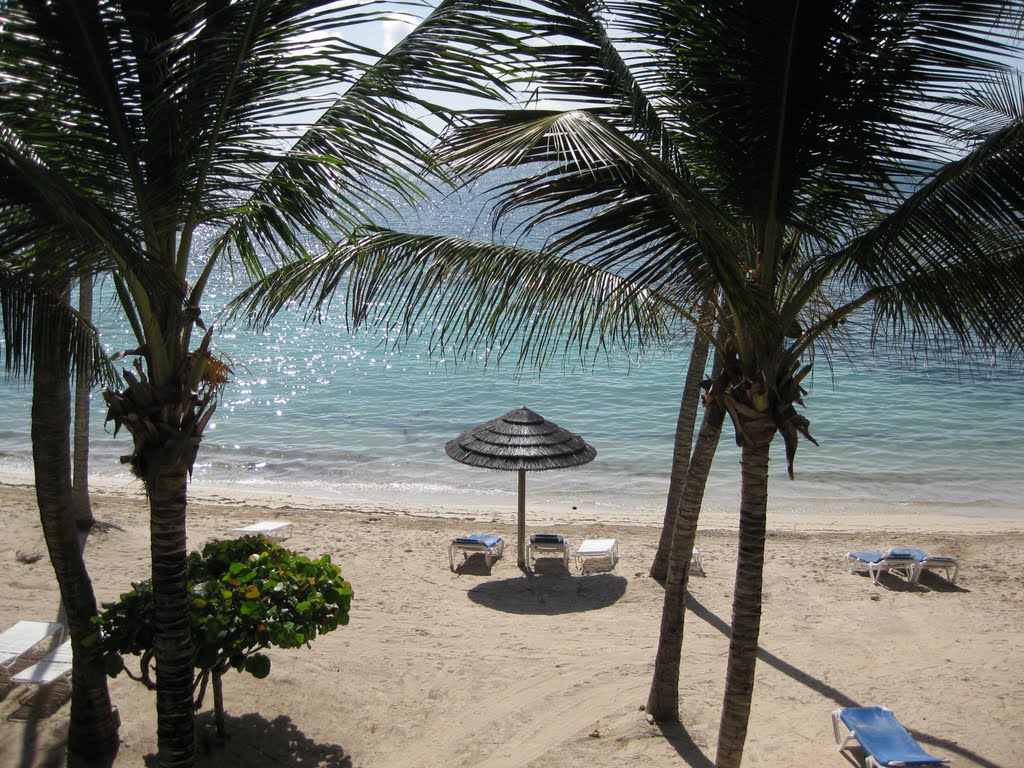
697,562
21,639
54,666
275,530
596,555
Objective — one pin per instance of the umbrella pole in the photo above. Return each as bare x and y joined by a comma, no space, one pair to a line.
522,519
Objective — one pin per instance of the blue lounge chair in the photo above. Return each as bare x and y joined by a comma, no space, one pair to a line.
926,562
885,742
877,563
492,546
548,544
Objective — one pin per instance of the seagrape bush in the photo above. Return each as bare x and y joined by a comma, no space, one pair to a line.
247,595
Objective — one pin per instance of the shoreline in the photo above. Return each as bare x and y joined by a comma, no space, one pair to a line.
834,516
494,670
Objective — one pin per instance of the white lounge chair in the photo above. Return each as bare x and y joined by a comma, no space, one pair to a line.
877,563
885,742
275,530
596,555
926,562
697,562
54,666
492,545
21,639
547,545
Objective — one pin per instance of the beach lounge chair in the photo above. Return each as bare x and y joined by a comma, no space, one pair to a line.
547,545
21,639
926,562
877,563
491,545
595,555
54,666
275,530
885,742
697,562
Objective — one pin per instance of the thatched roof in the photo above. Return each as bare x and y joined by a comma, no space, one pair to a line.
521,439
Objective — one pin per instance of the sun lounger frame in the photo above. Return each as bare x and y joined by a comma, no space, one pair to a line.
52,668
21,640
895,731
927,562
877,563
597,555
275,530
492,546
697,562
547,544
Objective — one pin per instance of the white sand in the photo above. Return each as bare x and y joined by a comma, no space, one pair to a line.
493,670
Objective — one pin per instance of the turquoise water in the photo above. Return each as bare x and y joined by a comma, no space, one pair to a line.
319,412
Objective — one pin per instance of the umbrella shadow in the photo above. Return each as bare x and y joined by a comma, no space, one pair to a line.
254,740
550,595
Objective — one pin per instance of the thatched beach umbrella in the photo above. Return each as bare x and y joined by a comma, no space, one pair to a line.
522,441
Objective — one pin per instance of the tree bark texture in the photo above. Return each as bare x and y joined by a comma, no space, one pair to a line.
681,451
167,489
663,700
746,607
93,729
80,478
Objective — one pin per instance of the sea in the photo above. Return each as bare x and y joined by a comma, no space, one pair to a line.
324,412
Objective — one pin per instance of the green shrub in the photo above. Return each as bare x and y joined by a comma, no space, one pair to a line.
247,594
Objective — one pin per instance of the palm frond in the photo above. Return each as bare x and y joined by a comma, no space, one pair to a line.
29,307
466,294
953,255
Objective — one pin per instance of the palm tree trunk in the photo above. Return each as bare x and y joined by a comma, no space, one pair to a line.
167,488
80,478
92,733
681,452
663,699
746,606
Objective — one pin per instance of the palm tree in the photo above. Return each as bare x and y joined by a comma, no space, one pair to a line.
157,141
811,162
44,338
80,451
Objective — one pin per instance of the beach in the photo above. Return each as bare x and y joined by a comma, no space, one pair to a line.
498,670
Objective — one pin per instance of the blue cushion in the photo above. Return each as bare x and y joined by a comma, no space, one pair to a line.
905,553
867,557
486,539
881,735
547,538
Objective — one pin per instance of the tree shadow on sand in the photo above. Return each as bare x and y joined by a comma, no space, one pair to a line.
826,690
254,740
680,739
550,594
